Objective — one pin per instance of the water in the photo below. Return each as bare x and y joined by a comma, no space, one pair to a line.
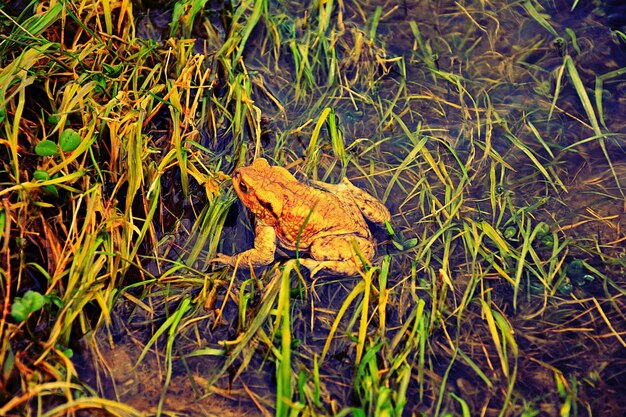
477,80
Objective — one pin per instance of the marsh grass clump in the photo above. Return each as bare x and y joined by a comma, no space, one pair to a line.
493,131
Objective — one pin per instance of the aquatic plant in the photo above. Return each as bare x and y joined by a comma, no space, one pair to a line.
492,130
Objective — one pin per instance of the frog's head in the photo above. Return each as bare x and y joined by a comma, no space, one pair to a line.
261,188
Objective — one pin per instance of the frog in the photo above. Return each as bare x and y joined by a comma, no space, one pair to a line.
325,221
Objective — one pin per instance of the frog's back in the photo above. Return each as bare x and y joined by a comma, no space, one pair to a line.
310,213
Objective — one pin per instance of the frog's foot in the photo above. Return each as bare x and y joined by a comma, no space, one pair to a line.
262,254
339,254
220,258
346,268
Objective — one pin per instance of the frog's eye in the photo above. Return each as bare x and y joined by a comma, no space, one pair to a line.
243,187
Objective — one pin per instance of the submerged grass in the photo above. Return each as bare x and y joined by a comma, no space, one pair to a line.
501,289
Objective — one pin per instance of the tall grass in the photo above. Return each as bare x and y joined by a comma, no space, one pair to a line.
499,288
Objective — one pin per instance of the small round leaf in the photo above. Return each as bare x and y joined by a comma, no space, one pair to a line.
33,300
69,140
510,232
23,306
41,175
19,311
51,190
46,148
410,243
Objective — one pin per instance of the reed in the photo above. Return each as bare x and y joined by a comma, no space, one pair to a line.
492,132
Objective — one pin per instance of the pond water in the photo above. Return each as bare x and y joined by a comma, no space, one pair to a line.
495,133
477,81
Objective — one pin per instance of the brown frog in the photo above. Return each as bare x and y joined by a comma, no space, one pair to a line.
324,220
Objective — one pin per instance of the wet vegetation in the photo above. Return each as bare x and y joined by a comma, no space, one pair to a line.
492,130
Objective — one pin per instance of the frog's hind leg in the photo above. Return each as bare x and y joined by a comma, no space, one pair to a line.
370,206
338,255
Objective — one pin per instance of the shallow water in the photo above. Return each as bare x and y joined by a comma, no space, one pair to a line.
497,69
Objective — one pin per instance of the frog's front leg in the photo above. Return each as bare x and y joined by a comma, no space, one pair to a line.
262,254
338,254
